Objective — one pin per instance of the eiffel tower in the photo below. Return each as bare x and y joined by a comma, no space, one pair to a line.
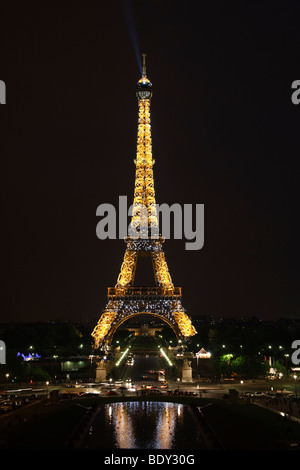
125,301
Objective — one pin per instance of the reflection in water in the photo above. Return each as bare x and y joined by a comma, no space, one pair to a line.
122,424
143,425
166,426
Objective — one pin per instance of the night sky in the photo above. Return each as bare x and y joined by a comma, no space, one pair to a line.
225,134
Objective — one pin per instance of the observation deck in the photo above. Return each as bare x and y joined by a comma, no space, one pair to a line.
144,293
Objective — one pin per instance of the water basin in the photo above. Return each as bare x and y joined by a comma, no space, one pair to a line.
144,425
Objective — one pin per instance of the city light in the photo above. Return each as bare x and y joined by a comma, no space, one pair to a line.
122,357
165,356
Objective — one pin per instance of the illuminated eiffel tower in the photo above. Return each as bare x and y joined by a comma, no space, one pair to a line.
125,300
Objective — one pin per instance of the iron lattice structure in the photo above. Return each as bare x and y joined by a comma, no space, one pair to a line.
125,300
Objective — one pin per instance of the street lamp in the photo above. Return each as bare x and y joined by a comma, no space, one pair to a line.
295,378
6,375
286,356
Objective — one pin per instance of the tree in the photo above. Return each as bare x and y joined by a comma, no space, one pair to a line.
35,372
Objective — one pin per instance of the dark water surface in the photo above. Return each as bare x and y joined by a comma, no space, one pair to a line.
144,425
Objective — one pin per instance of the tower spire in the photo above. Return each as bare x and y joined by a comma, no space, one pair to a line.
144,74
144,216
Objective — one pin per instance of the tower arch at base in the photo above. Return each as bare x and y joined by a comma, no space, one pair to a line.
114,328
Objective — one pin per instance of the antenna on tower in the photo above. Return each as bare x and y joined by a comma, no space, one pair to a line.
144,65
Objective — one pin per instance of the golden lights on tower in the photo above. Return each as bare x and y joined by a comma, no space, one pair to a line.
144,240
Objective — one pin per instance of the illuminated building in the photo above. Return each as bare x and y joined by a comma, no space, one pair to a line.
202,354
125,300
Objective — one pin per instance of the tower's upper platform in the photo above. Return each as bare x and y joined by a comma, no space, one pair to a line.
144,86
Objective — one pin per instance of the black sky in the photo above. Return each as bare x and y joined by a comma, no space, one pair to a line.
225,133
